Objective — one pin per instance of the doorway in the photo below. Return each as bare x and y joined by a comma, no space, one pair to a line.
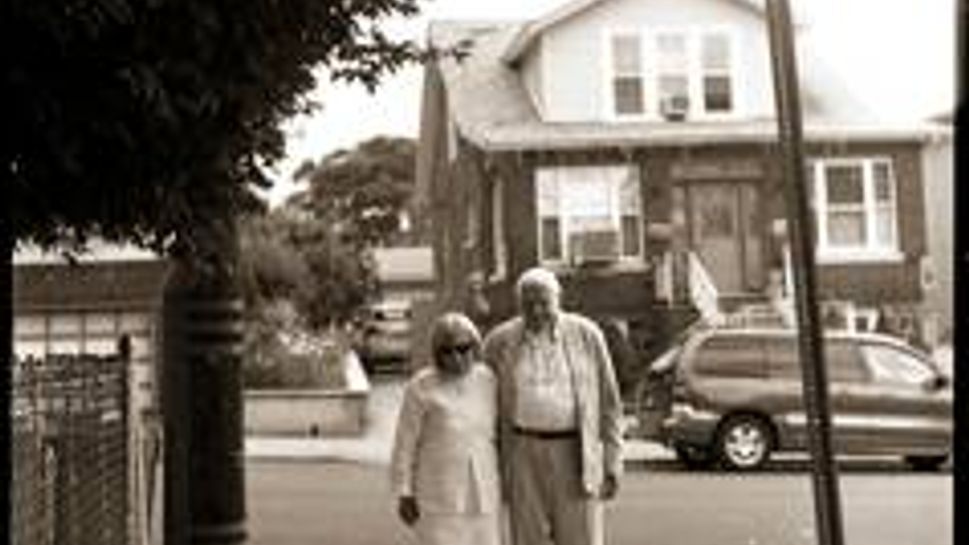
724,225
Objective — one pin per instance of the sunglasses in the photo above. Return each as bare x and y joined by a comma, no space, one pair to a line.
463,349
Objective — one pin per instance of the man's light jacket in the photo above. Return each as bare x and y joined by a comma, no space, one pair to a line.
599,406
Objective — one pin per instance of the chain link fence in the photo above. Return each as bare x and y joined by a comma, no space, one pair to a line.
70,451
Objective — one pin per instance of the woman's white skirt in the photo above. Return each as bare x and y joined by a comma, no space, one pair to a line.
460,529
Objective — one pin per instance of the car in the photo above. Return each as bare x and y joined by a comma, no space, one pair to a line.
385,335
734,397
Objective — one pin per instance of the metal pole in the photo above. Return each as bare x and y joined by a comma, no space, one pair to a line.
810,340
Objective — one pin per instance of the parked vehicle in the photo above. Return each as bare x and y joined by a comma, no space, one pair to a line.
734,396
384,339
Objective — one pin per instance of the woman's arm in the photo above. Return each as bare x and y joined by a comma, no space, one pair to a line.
404,457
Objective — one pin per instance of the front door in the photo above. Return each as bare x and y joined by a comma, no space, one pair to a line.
724,231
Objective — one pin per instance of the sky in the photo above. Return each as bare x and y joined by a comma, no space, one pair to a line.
898,54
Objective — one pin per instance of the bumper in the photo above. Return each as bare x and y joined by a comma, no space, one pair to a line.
691,426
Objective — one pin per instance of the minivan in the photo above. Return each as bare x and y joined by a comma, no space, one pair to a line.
734,396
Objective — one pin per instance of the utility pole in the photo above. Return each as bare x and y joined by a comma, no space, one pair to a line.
810,340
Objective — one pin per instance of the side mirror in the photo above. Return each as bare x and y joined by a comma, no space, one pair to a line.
935,382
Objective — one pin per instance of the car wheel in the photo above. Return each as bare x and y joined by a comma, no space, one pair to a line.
925,463
744,442
692,457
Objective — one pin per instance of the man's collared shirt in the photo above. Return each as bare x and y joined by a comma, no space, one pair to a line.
545,394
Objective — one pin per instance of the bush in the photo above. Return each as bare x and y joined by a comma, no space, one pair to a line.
278,367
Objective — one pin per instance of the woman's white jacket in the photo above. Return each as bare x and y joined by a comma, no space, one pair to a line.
444,450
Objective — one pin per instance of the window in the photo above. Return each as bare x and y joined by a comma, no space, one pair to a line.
841,358
627,79
892,365
715,66
735,357
673,69
854,200
577,201
843,362
667,71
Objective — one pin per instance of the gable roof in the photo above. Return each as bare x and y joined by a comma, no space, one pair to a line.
481,91
487,101
529,32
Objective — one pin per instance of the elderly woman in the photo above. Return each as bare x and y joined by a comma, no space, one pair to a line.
444,467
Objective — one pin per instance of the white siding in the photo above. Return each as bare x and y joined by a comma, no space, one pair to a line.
575,70
531,70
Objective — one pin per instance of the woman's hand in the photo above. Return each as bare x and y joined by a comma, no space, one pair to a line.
407,510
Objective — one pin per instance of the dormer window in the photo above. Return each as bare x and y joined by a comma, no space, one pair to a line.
715,66
627,79
672,73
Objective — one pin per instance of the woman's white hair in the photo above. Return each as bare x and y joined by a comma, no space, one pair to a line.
537,276
449,325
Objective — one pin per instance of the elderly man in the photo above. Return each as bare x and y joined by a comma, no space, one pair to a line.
559,417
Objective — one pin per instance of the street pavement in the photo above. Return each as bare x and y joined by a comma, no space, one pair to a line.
658,504
346,498
374,445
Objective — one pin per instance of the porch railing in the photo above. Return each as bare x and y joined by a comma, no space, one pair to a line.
703,292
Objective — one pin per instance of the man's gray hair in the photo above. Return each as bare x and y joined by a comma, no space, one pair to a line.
537,276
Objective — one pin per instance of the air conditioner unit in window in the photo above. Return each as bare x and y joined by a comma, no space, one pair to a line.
600,246
674,107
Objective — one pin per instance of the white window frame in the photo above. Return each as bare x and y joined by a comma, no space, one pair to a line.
609,75
549,174
498,246
871,250
695,71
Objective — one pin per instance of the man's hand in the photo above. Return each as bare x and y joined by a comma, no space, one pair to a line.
407,510
610,487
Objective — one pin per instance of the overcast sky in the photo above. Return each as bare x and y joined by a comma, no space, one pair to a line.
898,54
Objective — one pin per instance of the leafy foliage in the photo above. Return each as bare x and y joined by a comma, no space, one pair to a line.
292,256
150,120
363,192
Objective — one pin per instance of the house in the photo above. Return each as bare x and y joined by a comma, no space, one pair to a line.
631,147
61,308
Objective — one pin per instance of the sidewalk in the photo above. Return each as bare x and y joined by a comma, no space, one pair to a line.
373,447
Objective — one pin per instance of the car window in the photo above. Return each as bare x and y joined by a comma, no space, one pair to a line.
894,365
841,358
843,361
782,361
732,356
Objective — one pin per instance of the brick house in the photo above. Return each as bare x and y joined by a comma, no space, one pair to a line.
630,146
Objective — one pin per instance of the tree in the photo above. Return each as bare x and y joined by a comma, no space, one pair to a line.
271,265
365,190
290,255
149,121
136,119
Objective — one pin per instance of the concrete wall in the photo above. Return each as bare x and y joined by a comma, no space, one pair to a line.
310,412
